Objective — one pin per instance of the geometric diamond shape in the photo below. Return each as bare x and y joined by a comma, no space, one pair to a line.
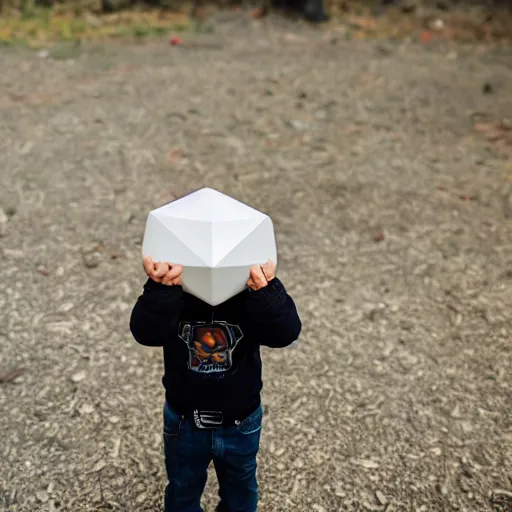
215,237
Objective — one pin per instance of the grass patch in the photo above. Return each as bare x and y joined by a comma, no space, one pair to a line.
39,27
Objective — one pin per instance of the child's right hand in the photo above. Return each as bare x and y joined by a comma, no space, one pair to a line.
162,272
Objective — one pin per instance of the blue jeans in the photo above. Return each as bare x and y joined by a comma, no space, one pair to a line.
188,452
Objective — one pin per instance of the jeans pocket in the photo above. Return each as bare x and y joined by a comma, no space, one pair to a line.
252,423
172,422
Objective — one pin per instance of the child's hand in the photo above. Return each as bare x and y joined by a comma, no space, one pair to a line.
261,275
161,272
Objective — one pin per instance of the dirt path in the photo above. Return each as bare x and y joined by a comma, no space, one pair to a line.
394,228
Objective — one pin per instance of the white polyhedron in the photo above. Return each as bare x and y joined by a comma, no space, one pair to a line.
215,237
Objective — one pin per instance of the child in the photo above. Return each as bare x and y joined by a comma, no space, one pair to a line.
212,379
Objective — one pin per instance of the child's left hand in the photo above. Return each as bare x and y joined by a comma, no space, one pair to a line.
261,275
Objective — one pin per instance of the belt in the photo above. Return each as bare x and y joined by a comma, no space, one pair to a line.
212,419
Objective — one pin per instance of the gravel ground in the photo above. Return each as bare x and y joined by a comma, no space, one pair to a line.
394,229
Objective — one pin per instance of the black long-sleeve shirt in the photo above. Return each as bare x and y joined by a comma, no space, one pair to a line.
212,353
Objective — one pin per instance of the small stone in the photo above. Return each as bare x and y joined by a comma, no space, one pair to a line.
141,498
99,466
366,463
437,24
116,448
370,507
114,419
77,377
86,409
502,492
92,259
381,498
19,379
456,412
26,148
318,508
3,223
506,123
298,125
467,427
457,319
43,54
42,496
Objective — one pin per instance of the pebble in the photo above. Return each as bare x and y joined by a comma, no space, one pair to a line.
86,409
437,24
43,270
381,498
3,223
366,463
42,496
92,259
298,125
456,412
26,148
141,498
467,427
99,466
19,379
77,377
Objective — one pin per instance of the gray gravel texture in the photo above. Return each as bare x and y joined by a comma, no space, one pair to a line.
394,227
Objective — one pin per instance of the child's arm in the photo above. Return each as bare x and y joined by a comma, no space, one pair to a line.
156,313
273,312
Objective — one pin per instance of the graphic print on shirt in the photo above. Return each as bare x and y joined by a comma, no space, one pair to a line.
210,345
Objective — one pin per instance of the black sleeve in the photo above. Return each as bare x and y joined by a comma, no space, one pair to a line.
155,315
273,315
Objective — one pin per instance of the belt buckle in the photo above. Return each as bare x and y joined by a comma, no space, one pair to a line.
208,419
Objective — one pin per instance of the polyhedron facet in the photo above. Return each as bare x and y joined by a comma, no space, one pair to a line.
215,237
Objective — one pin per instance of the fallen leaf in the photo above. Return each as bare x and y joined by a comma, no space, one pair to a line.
258,13
175,155
175,41
425,37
